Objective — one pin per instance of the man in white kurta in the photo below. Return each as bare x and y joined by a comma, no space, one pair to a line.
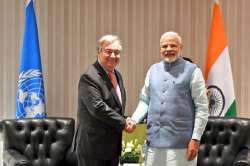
175,102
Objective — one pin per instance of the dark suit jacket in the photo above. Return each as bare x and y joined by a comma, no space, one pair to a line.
100,115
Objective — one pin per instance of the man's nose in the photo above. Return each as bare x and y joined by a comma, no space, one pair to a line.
168,48
112,55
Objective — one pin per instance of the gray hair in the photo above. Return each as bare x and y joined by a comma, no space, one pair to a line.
172,34
107,40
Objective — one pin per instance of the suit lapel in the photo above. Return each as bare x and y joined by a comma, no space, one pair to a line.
108,81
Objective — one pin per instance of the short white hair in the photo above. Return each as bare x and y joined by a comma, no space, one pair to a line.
172,34
107,40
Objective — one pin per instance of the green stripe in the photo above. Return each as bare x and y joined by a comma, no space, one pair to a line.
232,110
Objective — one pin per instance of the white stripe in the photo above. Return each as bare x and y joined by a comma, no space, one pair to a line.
27,2
220,75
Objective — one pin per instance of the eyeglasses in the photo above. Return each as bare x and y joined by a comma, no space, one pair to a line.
109,52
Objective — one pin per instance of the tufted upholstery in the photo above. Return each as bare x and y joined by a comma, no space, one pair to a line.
38,142
225,142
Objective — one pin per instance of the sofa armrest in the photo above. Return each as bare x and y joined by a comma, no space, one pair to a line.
242,158
14,158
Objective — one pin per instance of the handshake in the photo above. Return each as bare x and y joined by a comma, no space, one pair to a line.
130,125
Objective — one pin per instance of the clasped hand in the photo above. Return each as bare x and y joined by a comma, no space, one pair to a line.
130,125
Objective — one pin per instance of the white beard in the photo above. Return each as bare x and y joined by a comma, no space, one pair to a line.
170,59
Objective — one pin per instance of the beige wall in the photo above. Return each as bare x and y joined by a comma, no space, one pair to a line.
68,30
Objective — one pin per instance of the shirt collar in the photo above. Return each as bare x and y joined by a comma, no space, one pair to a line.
169,65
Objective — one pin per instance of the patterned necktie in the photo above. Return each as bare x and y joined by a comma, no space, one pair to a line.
113,79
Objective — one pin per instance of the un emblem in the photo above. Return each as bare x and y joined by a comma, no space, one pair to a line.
30,95
216,100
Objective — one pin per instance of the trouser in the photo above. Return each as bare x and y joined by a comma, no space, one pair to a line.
168,157
85,161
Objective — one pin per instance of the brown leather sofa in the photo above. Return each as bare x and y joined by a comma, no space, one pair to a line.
225,142
38,142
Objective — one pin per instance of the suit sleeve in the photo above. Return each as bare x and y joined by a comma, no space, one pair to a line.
90,95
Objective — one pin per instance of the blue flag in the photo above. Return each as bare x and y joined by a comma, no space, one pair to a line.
30,101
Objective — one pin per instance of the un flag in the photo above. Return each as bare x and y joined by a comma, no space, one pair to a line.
30,100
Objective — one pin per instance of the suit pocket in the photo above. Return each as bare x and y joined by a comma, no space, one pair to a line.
95,131
102,142
182,89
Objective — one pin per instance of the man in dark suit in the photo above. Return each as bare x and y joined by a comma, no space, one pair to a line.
101,105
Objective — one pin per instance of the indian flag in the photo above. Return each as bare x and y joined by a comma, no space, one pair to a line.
218,73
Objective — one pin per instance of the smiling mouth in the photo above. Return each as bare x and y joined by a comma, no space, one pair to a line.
113,62
169,54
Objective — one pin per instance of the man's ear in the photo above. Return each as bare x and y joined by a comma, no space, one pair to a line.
99,50
181,46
